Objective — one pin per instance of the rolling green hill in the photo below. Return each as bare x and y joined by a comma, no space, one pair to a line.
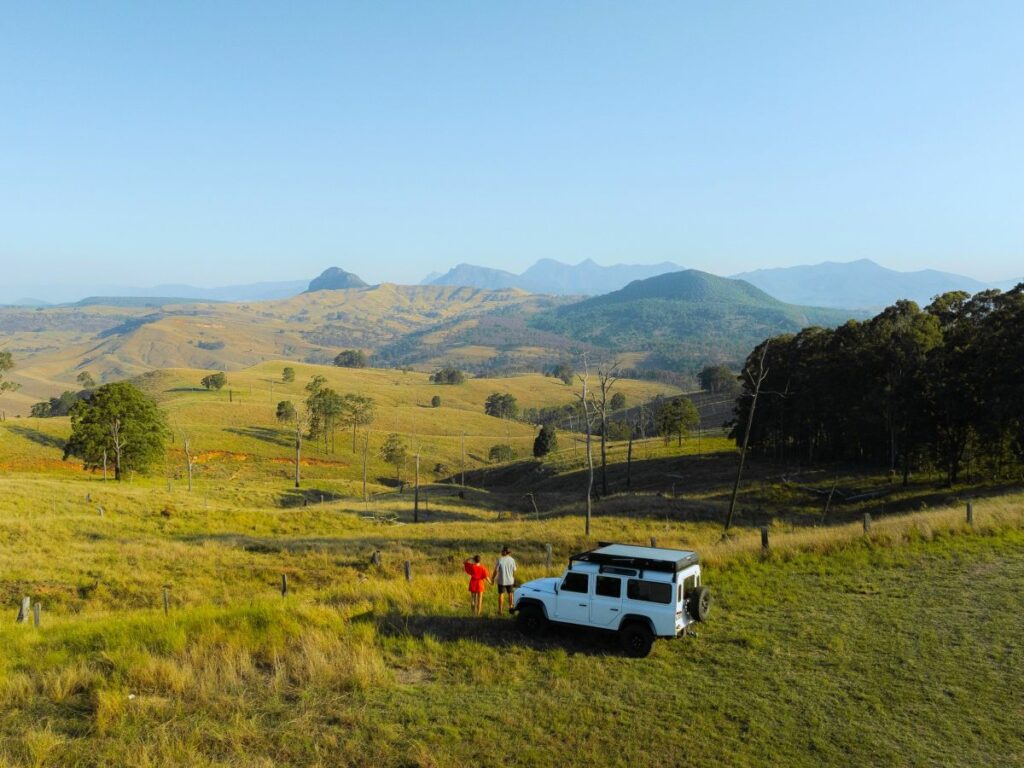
683,318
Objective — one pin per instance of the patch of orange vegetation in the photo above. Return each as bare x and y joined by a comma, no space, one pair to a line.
311,462
41,465
202,458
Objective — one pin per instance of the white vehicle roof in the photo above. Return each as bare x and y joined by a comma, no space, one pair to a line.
643,558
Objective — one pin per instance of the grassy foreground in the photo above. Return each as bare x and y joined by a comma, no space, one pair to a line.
834,650
898,648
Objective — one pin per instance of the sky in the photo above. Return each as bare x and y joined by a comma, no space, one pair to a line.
219,143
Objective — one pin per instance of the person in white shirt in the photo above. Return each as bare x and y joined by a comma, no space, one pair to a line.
505,578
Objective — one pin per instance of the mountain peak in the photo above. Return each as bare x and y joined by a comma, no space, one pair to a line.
335,279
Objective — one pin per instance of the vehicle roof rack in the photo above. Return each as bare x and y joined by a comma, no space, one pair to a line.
639,557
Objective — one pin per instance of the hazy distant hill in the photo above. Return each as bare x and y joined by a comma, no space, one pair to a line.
684,318
47,295
859,284
477,277
335,279
556,278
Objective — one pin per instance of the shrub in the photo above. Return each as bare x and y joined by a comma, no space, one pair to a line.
288,374
435,401
214,381
501,452
546,442
350,358
502,406
448,375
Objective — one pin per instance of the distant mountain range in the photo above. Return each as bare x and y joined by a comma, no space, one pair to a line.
859,284
67,294
553,277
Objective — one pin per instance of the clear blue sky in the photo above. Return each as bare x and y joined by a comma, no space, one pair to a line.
212,143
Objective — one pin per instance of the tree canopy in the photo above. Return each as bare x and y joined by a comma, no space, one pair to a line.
214,381
351,358
394,452
501,405
907,389
718,379
676,418
6,366
545,442
120,424
448,375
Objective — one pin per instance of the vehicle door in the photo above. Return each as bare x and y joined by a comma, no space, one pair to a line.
606,604
573,601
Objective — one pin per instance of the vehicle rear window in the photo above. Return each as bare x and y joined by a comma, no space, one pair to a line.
608,586
651,591
575,582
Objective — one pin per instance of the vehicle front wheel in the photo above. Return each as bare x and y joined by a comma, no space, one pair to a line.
636,640
530,619
700,603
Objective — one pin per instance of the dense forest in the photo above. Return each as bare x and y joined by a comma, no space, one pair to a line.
910,389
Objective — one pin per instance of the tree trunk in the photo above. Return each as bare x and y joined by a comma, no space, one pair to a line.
298,453
629,462
366,448
761,373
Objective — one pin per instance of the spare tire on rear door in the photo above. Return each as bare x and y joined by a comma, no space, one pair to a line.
699,603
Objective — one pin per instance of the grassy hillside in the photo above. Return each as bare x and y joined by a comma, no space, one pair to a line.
678,321
834,649
51,346
238,437
683,316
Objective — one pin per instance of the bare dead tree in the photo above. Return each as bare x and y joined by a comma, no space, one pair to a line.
606,378
190,458
756,382
584,397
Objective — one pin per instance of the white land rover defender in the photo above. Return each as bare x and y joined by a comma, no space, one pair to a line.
639,592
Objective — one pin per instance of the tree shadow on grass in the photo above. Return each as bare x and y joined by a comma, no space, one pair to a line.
264,434
494,631
40,438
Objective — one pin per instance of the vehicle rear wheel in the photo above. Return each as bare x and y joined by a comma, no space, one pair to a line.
636,640
530,619
699,603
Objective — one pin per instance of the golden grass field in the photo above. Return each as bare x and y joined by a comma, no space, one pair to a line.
835,648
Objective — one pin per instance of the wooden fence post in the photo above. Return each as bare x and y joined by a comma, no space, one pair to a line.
167,600
408,570
970,514
375,558
764,538
547,556
284,584
26,604
37,608
867,523
654,541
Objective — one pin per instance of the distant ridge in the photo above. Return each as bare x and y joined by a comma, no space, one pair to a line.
555,278
335,279
684,316
861,284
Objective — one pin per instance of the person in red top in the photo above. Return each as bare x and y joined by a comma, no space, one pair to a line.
478,578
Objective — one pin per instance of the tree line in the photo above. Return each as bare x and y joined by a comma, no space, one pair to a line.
910,389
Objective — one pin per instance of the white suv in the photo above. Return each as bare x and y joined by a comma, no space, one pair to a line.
639,592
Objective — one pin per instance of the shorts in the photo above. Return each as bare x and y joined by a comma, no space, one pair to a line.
507,589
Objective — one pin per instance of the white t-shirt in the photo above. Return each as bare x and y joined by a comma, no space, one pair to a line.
505,571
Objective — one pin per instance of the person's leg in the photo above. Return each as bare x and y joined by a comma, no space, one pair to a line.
501,599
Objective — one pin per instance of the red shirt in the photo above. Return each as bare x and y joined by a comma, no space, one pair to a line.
477,576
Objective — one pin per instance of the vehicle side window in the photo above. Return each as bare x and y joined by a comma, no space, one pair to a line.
650,591
689,583
608,586
575,582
